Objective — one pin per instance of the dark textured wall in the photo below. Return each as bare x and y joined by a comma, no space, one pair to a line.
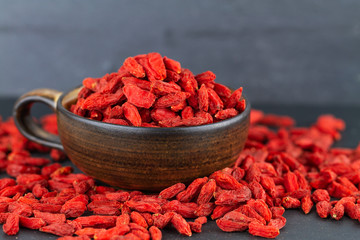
279,50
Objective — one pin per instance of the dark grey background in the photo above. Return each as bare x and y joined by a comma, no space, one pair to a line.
281,51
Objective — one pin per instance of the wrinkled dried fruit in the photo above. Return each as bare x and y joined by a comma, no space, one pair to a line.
181,225
152,82
263,231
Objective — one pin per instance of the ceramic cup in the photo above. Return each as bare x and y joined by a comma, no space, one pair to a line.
130,157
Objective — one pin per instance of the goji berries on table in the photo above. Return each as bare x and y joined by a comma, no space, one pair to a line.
252,195
281,167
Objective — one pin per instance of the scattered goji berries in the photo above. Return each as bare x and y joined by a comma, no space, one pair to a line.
281,167
154,91
276,171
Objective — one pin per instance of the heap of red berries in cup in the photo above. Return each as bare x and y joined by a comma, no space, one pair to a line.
154,91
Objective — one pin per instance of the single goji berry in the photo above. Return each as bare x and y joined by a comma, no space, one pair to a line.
162,88
132,114
97,221
144,206
233,197
306,204
323,209
11,226
263,231
139,97
60,229
278,222
207,192
192,190
204,209
155,233
172,65
31,223
132,66
157,64
181,225
161,221
172,191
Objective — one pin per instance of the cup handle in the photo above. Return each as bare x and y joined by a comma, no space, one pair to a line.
25,122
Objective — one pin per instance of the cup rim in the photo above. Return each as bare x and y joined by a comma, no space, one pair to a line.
223,123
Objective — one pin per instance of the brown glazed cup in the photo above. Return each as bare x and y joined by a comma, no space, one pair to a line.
134,157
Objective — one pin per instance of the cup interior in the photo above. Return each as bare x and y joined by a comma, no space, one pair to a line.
70,98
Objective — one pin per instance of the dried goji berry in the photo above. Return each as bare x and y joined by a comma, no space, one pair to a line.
204,209
20,209
320,195
191,190
73,209
138,219
172,65
82,237
132,114
269,185
31,223
162,88
337,212
205,77
143,84
159,114
132,66
263,231
144,206
251,213
225,181
233,197
97,221
207,192
306,204
172,191
161,221
138,96
278,222
203,99
290,182
226,113
99,101
187,210
156,63
215,102
90,232
181,225
323,209
277,211
11,226
290,202
118,196
107,234
155,233
60,229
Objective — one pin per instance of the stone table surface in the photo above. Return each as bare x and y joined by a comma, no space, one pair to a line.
299,226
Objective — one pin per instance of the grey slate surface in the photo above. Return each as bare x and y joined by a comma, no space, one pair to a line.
298,227
281,51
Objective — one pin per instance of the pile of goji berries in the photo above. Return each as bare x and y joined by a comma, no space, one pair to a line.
154,91
281,167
